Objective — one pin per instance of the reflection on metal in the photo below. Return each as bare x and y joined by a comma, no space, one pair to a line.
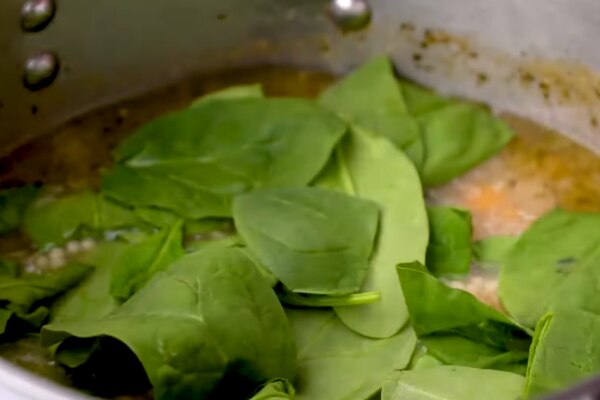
37,14
350,15
40,70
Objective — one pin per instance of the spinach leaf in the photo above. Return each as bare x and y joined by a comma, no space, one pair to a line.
277,389
491,252
91,299
22,292
457,136
13,203
194,161
183,309
370,167
449,249
315,241
456,328
51,221
564,351
370,98
335,363
142,260
293,299
231,93
24,297
453,383
559,256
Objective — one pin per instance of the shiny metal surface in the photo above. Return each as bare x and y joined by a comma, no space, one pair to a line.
350,15
504,52
37,14
40,70
536,58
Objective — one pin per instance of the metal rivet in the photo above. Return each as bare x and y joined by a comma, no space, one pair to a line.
37,14
40,70
350,15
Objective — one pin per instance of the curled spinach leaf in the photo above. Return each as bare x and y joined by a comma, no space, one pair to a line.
24,297
182,309
456,328
315,241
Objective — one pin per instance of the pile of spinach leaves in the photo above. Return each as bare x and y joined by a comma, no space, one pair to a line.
332,284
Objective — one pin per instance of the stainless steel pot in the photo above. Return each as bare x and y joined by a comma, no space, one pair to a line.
61,58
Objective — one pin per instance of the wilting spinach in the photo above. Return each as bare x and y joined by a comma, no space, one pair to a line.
456,328
443,137
91,299
231,93
556,262
278,389
370,98
180,312
449,249
13,203
563,351
24,297
140,261
335,363
453,383
315,241
194,161
457,136
370,167
53,221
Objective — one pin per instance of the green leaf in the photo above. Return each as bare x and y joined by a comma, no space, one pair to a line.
252,91
22,297
53,221
277,389
13,203
491,252
315,241
194,161
458,329
22,292
142,260
183,309
558,256
457,136
453,383
370,98
564,351
335,363
9,268
449,250
371,168
91,299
